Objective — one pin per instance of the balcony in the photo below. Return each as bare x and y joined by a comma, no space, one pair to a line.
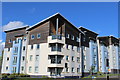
55,53
56,39
55,61
58,64
55,49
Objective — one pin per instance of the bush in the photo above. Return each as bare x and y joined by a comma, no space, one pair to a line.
22,75
11,76
5,75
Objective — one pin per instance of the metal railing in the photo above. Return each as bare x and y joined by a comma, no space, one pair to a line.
57,37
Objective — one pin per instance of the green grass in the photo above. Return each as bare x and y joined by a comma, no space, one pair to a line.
26,78
102,75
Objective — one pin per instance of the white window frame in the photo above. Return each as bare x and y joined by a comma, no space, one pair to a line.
72,37
67,35
37,36
32,37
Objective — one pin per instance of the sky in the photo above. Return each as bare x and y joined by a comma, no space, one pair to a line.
100,17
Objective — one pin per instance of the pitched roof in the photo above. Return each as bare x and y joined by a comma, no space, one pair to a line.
47,19
23,27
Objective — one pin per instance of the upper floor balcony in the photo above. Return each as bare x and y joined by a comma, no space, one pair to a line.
55,61
56,39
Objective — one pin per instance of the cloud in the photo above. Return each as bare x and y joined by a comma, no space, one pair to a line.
13,25
0,41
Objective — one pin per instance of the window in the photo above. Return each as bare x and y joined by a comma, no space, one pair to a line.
32,36
8,49
78,59
94,50
66,69
84,39
72,69
72,58
78,49
14,60
10,41
16,49
7,58
67,35
23,48
72,47
38,46
55,47
30,69
24,38
36,69
72,37
22,68
67,58
23,58
78,70
14,69
37,57
78,39
67,46
31,57
38,35
66,65
31,46
84,57
84,67
6,67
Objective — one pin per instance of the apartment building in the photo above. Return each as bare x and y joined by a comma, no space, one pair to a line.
109,56
89,51
53,47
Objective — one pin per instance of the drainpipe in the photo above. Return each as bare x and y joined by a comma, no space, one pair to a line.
56,45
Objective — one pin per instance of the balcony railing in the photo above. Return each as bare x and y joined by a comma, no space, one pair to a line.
57,37
53,61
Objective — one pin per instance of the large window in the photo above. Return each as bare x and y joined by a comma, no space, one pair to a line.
56,47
